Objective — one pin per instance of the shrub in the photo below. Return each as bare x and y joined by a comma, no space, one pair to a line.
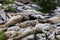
2,36
47,5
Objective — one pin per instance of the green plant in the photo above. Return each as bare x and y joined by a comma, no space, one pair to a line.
2,36
47,5
11,9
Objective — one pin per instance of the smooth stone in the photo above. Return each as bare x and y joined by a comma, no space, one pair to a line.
15,28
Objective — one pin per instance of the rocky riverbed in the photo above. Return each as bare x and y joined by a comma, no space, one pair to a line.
23,24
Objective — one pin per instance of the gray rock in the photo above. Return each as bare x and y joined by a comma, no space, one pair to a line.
42,39
30,37
57,25
57,11
0,5
43,27
1,21
22,29
3,15
26,7
15,28
20,8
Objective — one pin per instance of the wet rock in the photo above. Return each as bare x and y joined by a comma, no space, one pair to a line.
14,28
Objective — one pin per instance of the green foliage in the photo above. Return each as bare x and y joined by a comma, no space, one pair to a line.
12,1
2,36
46,5
11,9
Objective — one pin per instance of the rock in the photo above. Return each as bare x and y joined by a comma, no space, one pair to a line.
3,15
1,21
0,5
14,28
28,12
25,1
58,36
26,33
27,23
26,7
57,25
24,39
20,8
57,11
13,20
43,27
42,39
3,29
55,19
34,6
22,29
30,37
40,36
18,3
10,39
10,34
